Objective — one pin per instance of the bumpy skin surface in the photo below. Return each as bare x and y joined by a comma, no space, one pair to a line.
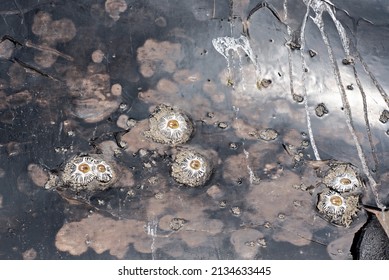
373,242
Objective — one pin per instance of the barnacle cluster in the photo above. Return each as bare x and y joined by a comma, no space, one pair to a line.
191,168
169,125
81,171
338,202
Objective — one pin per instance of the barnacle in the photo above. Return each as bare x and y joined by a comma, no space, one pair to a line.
102,171
342,177
87,173
169,126
336,208
332,204
79,171
173,126
194,166
191,168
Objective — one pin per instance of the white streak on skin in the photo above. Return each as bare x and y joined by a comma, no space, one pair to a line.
251,173
226,44
152,231
304,65
346,47
318,9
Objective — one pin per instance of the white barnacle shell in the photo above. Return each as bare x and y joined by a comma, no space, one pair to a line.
169,125
191,168
79,171
173,126
336,208
332,204
194,166
102,171
342,177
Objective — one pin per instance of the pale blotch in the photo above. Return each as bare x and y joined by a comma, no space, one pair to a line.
97,56
115,7
101,234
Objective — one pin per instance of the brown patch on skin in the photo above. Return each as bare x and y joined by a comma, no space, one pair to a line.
245,242
276,197
136,140
155,56
6,49
92,110
116,89
17,76
97,56
167,86
198,229
93,100
51,33
244,130
19,99
115,7
30,254
45,59
102,234
237,167
230,171
292,137
38,175
122,122
165,92
215,192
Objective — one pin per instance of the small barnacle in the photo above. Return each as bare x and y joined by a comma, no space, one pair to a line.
79,171
169,126
342,177
337,209
102,171
191,168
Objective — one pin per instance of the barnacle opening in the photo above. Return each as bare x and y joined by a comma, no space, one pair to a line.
84,168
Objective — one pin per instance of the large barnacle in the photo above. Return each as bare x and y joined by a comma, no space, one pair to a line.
342,177
191,168
336,208
169,126
79,171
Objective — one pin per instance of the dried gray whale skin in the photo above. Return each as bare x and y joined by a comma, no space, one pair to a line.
266,69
